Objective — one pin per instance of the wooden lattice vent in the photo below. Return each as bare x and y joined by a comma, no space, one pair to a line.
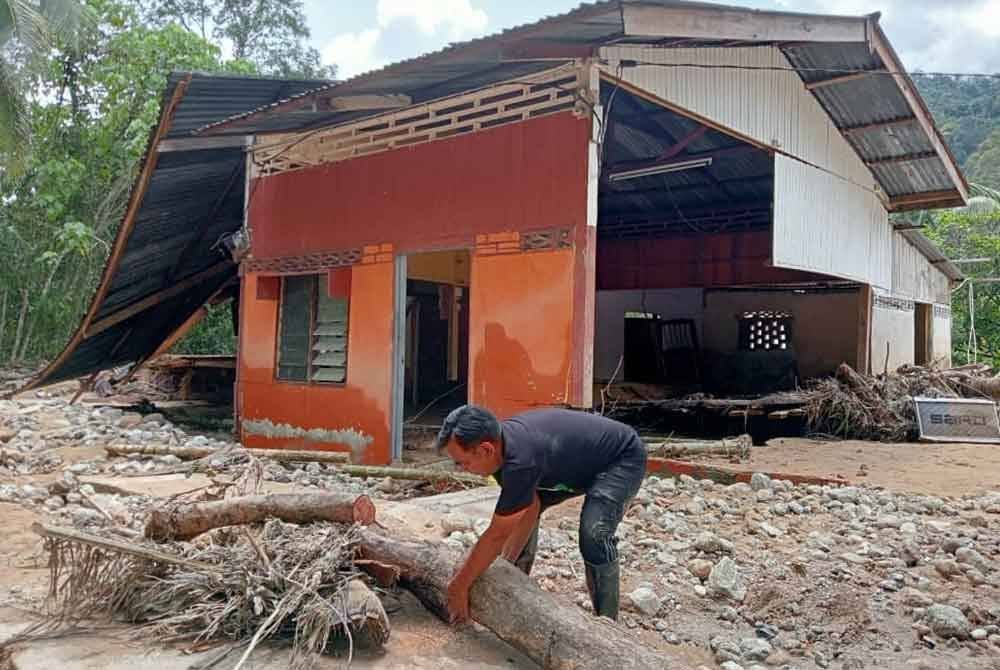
556,90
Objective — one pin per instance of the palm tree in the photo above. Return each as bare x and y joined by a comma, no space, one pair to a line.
32,24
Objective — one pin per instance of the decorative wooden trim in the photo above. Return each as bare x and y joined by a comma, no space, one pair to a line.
305,264
559,89
891,302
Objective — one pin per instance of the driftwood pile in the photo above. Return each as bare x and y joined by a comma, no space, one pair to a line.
854,406
301,583
279,581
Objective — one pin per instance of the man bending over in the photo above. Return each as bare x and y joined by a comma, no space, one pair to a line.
540,459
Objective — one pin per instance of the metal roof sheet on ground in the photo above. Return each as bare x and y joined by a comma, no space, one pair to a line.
186,201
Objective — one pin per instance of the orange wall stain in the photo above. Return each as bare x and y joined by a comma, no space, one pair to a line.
364,403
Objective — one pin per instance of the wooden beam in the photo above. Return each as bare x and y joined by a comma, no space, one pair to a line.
900,202
355,102
201,143
728,23
157,298
683,143
891,61
841,79
865,127
904,158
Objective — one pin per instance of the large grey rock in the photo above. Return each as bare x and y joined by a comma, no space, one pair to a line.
754,649
712,544
759,481
645,600
973,558
947,621
724,580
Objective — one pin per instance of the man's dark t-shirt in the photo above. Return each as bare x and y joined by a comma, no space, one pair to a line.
556,449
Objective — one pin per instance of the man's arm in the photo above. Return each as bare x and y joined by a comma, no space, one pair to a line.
519,537
485,551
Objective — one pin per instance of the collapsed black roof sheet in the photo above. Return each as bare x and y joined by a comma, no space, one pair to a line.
164,264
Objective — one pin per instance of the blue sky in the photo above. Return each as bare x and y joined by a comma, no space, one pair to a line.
360,35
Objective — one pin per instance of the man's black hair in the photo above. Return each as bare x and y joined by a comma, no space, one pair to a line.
469,425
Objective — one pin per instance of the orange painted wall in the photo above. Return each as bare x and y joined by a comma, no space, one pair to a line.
521,343
529,324
364,403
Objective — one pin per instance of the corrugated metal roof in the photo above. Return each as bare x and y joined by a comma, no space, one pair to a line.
181,203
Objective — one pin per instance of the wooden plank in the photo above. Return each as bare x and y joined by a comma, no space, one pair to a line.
841,79
904,158
703,22
157,298
356,102
201,143
927,198
878,125
891,61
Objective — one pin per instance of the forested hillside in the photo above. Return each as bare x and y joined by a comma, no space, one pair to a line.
968,112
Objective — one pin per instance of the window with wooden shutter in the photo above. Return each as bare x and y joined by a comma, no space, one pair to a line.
312,335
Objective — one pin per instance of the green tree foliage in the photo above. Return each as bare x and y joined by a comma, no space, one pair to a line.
95,101
272,34
27,29
971,233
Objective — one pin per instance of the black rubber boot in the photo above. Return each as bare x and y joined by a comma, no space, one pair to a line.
602,584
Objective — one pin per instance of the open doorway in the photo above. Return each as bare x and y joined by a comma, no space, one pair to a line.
922,315
436,341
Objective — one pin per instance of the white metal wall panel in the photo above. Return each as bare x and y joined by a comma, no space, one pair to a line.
914,277
826,192
941,336
893,336
825,224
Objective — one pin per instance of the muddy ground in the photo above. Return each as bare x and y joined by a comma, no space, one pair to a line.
900,569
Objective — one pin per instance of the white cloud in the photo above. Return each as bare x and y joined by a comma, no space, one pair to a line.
357,52
458,17
353,53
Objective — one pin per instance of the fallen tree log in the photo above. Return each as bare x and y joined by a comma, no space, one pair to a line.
433,476
557,636
183,522
194,453
739,446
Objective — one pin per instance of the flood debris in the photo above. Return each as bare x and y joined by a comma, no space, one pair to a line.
855,406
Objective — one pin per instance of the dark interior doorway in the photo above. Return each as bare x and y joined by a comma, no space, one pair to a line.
437,335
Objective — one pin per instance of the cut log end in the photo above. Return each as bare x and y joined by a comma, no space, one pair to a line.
364,511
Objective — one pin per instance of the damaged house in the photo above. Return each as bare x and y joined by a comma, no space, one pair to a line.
675,194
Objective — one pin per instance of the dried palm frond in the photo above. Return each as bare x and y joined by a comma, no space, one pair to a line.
291,583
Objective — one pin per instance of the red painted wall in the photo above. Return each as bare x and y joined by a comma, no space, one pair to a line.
516,177
709,261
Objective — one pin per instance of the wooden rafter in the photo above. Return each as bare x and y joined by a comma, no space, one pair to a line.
902,158
841,79
157,298
878,125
